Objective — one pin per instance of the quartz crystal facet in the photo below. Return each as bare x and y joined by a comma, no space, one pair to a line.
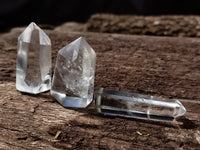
134,105
33,74
73,80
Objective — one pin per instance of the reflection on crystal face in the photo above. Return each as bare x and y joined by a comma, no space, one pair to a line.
33,73
73,80
134,105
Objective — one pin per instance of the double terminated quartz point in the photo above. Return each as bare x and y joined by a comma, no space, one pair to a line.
133,105
73,80
33,74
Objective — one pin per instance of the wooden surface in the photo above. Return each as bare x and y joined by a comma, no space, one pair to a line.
171,25
169,67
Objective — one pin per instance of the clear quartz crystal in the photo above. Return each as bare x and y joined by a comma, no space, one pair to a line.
134,105
33,74
73,80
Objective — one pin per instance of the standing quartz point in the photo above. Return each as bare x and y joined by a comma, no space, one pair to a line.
33,73
73,80
133,105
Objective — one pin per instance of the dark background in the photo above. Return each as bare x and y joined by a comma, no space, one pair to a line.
22,12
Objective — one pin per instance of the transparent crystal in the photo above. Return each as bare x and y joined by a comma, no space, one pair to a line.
134,105
73,80
33,74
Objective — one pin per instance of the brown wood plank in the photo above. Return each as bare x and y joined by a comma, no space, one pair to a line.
166,25
169,67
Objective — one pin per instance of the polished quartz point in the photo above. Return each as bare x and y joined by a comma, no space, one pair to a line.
33,74
134,105
73,80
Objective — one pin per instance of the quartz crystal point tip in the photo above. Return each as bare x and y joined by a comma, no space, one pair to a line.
27,36
73,80
182,109
33,74
117,103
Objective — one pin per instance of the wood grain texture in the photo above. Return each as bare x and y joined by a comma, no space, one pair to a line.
170,25
165,66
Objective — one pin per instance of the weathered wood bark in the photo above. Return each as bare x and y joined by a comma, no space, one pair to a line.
169,67
186,26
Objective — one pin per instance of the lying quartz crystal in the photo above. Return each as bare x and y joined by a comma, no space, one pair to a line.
133,105
73,80
33,74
